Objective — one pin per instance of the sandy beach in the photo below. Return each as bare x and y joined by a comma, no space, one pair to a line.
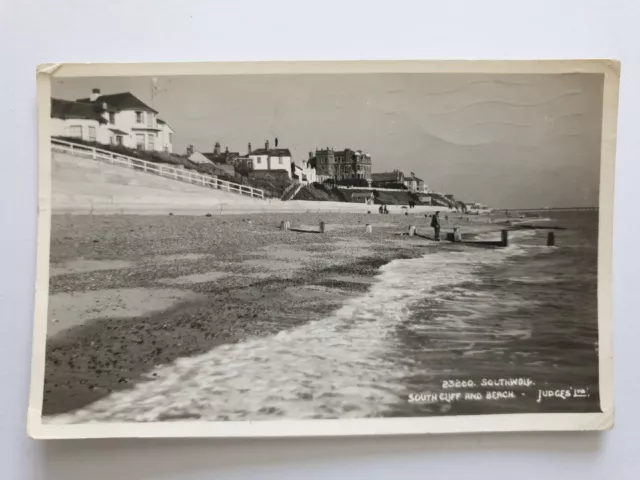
130,293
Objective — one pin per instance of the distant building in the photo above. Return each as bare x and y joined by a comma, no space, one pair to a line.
214,168
197,157
414,184
388,179
219,156
270,159
363,197
304,173
344,164
165,136
117,119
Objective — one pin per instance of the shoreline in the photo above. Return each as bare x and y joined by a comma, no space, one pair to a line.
95,357
257,281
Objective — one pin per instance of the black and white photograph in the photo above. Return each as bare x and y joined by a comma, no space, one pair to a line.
406,242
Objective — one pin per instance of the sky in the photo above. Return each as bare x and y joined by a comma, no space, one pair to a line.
505,140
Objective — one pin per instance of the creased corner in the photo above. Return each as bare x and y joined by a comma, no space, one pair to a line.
48,68
615,66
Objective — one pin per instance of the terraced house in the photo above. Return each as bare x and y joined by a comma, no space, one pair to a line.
116,119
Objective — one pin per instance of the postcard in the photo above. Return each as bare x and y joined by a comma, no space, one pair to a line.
324,248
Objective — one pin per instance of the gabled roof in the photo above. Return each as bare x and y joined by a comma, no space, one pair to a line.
69,109
413,177
221,157
272,152
197,157
121,101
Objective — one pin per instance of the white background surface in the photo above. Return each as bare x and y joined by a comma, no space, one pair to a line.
125,30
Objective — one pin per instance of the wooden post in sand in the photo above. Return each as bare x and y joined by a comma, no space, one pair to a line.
505,238
322,227
283,225
457,236
412,230
551,239
368,229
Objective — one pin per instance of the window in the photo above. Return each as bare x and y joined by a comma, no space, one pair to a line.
75,131
152,141
140,141
280,160
149,119
92,134
258,160
112,118
139,117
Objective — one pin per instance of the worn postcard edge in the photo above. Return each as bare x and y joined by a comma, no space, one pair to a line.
296,428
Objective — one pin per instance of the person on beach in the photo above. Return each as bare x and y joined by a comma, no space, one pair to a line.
435,223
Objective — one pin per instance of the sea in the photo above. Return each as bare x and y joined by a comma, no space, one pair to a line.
461,330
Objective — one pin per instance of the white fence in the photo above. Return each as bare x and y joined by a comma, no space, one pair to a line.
154,168
344,187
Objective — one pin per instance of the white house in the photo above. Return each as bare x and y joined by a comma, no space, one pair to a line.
165,135
271,159
117,119
305,173
415,184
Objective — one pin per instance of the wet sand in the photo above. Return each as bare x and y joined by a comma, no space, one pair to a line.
155,289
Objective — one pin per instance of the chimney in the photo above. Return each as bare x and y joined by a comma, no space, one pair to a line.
226,149
216,148
95,93
310,155
266,145
189,150
249,147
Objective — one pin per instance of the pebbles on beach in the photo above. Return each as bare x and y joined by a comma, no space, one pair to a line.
249,279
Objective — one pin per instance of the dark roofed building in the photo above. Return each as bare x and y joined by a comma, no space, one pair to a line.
119,101
380,179
272,152
218,156
68,109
